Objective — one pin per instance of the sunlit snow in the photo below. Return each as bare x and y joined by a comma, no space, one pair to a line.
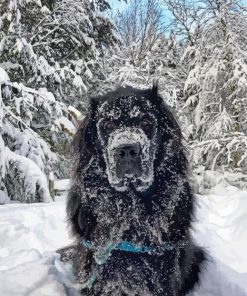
30,235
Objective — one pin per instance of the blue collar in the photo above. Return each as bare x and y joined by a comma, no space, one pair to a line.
129,247
101,255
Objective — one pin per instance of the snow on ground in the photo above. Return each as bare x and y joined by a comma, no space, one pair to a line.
222,230
62,185
30,234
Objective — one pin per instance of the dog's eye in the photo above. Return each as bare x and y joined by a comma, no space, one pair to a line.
109,126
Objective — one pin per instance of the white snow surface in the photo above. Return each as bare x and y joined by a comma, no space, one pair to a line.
66,125
62,185
76,113
30,170
29,236
221,229
31,233
3,76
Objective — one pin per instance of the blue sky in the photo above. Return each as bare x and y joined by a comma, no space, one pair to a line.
115,4
121,5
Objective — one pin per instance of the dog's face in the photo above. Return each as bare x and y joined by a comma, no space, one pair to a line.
127,130
128,135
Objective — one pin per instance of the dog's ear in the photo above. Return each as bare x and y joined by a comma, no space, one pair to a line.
155,89
90,128
85,137
81,220
167,119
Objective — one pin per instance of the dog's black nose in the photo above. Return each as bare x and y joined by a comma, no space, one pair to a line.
128,157
128,152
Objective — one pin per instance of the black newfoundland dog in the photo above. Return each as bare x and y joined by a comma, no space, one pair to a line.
130,204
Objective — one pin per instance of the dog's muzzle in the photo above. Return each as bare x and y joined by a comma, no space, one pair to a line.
129,159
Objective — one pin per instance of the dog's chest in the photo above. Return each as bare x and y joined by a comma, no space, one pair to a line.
130,221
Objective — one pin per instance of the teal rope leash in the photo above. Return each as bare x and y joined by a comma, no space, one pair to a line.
130,247
101,255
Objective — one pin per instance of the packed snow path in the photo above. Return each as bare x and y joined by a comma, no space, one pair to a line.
30,234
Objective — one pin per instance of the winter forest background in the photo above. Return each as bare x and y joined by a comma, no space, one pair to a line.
54,54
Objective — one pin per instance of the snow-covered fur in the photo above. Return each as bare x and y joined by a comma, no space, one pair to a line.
131,184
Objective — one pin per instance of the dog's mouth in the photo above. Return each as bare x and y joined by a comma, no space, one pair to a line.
130,182
129,159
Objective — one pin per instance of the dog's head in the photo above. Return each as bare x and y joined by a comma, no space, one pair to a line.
125,129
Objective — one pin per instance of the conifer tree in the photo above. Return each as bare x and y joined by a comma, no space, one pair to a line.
216,90
49,54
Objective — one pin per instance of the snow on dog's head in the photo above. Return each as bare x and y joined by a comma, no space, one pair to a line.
126,137
127,130
129,159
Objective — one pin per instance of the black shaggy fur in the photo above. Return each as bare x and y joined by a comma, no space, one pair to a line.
159,214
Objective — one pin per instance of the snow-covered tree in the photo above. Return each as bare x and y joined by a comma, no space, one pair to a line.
146,55
50,52
216,90
188,19
54,44
26,159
